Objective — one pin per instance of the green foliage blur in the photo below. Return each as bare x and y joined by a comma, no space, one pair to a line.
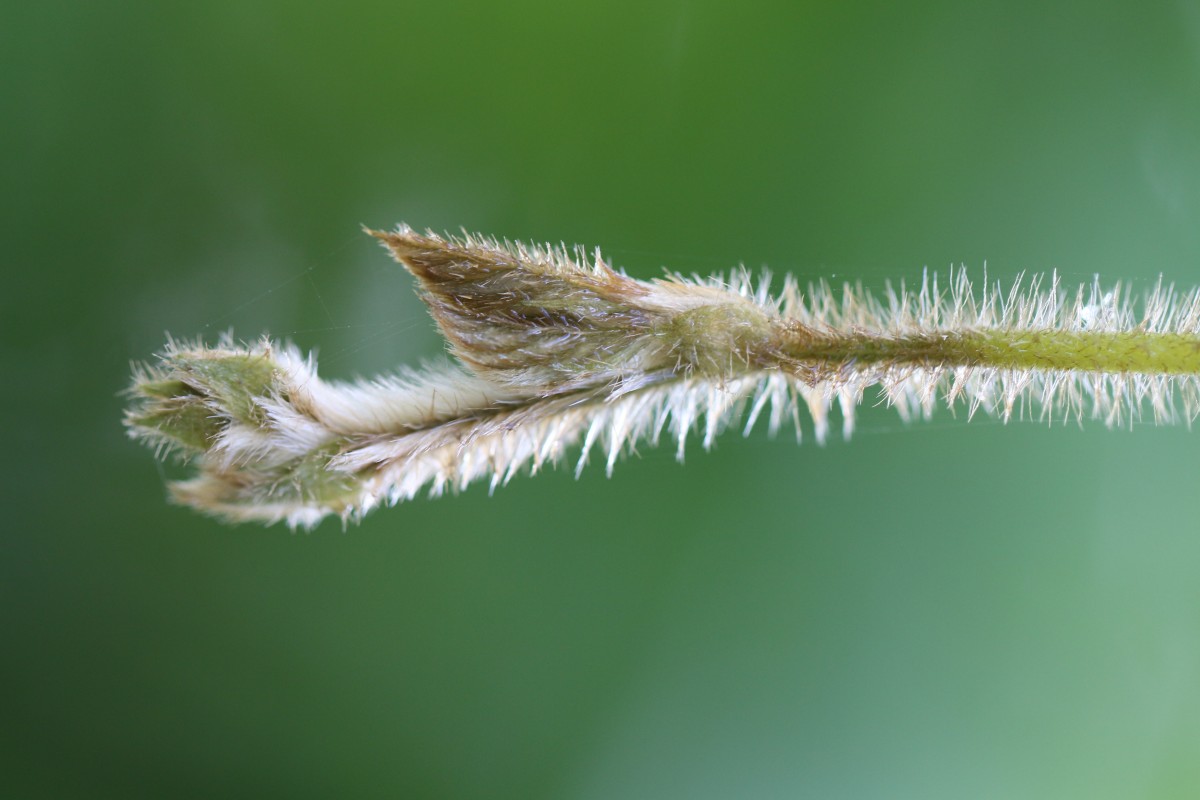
940,610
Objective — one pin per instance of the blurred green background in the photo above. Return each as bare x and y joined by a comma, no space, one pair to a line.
941,610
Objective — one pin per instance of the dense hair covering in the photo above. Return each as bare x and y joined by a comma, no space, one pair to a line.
555,351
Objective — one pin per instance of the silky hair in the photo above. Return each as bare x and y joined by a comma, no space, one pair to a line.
555,351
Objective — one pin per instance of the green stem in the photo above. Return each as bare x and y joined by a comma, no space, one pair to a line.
1127,352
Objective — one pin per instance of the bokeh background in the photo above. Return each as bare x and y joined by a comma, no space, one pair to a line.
941,610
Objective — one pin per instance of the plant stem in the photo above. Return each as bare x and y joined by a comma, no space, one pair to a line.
1125,352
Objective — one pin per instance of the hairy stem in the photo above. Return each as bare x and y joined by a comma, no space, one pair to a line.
1127,352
